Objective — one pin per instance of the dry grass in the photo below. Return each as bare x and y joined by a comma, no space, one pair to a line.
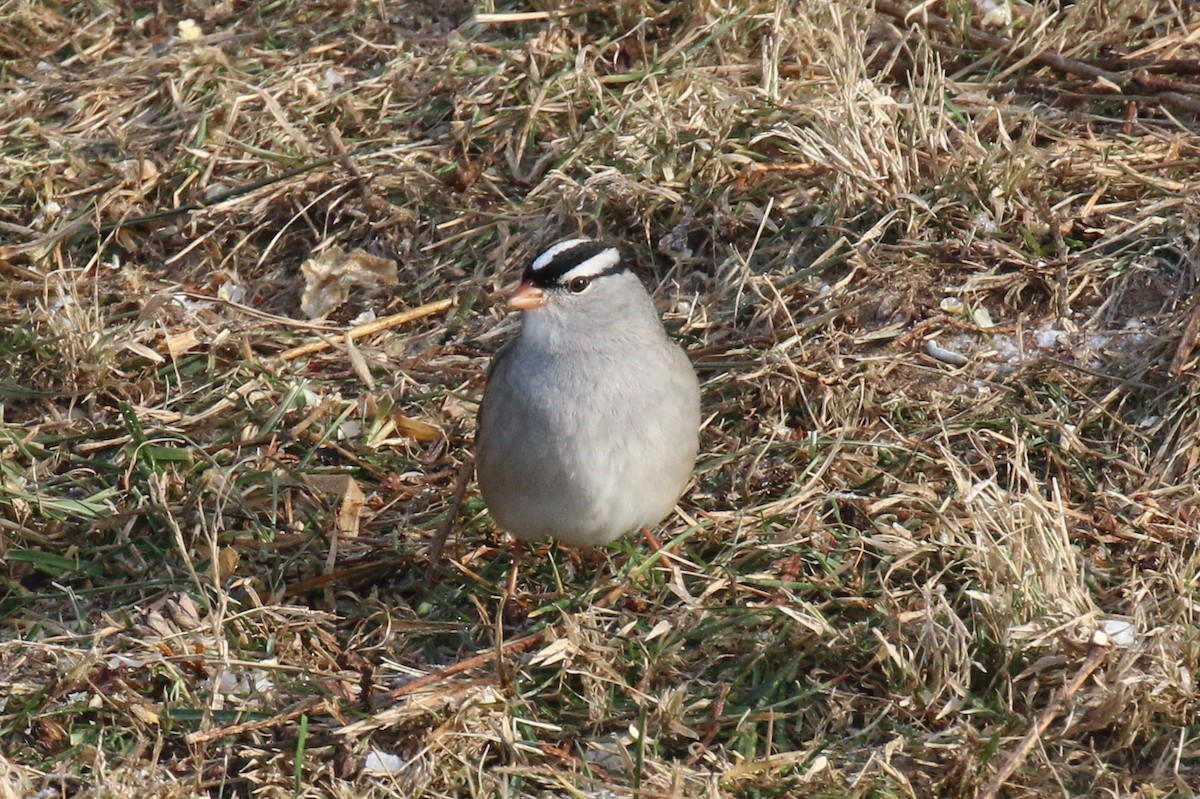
939,289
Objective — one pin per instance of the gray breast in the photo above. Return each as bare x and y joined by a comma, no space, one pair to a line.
588,447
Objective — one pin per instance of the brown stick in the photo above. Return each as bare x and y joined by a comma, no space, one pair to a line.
374,326
437,545
347,161
361,571
1050,58
312,705
1187,342
519,645
1096,653
522,644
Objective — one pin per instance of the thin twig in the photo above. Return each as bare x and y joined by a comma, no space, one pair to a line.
1095,656
437,545
1187,343
504,18
1164,91
374,326
523,644
341,576
78,227
314,705
373,202
518,645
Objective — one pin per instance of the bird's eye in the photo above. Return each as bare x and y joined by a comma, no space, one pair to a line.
578,284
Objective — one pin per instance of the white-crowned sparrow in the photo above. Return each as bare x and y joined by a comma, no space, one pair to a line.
590,420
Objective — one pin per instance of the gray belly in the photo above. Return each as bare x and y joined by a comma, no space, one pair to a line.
614,459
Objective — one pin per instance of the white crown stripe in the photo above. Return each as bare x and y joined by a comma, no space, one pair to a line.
597,264
546,257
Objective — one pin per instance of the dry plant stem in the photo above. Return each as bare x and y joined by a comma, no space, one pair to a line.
437,545
312,705
714,727
346,575
523,644
1164,91
1095,656
1187,342
518,645
346,160
516,551
79,227
387,322
666,556
285,321
502,18
652,540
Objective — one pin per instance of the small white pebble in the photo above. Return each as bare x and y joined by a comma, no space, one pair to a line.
1006,347
952,305
996,13
985,222
189,31
382,762
944,355
231,292
962,342
334,79
1048,338
1119,632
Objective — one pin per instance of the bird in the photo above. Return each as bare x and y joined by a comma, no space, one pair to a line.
589,424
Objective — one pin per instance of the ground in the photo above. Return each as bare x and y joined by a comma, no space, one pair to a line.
935,265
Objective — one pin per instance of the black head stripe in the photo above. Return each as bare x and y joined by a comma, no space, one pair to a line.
549,269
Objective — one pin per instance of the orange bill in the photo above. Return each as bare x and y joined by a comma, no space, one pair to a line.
527,296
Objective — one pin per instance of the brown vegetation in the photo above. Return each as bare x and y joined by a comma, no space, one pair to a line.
937,277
